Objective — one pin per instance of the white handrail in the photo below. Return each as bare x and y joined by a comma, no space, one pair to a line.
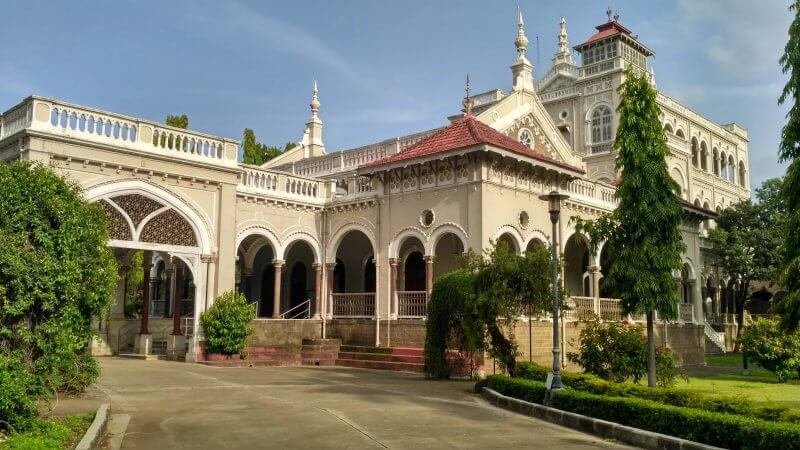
303,310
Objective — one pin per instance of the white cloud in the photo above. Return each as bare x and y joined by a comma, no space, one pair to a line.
281,36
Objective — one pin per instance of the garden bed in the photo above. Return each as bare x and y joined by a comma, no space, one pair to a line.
55,433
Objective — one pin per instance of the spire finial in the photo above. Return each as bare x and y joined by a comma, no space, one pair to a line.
608,13
522,40
616,16
563,39
314,100
467,99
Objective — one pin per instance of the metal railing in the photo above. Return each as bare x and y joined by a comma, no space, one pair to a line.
353,305
126,332
187,326
301,311
412,304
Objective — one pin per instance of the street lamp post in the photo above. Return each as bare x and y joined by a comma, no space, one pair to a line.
554,206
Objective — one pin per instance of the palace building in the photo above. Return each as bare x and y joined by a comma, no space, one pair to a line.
347,244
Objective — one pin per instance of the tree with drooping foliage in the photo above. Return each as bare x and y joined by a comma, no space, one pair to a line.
789,307
257,153
56,277
178,121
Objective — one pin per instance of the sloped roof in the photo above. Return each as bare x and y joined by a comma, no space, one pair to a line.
468,132
613,28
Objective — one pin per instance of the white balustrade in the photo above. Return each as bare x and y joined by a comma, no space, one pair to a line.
580,308
412,304
353,305
610,309
592,192
63,119
256,180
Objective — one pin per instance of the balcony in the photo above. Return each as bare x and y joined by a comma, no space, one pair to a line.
44,115
258,181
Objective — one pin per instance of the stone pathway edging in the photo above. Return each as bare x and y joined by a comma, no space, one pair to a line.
598,427
94,435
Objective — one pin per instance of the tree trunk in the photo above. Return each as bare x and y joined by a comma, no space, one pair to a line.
741,296
651,351
504,348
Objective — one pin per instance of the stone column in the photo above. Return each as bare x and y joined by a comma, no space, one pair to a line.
428,274
146,266
594,279
393,287
245,287
177,295
317,290
698,300
276,299
330,267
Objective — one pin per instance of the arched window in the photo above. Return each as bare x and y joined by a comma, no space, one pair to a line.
668,128
695,153
741,173
731,169
723,166
601,124
703,156
680,134
715,160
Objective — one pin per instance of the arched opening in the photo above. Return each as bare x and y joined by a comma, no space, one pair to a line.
715,160
731,169
695,153
256,279
414,272
534,243
676,175
160,291
703,156
686,285
576,265
607,259
668,128
297,288
447,255
742,175
680,134
354,277
508,241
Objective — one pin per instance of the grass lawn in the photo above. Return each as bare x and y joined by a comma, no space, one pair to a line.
58,433
759,385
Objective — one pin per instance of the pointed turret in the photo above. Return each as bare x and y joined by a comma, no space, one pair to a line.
563,54
312,137
522,69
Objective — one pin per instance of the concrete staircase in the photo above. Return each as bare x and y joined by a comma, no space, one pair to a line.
400,359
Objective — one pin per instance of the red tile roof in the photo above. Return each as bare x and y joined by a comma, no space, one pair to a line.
468,132
605,30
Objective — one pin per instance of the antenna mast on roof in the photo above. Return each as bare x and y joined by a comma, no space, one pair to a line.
467,99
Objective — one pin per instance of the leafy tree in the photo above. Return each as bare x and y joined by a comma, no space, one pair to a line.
643,229
505,285
256,153
56,276
226,324
447,309
773,349
790,151
746,241
181,121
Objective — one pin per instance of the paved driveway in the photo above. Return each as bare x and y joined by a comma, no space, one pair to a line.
177,405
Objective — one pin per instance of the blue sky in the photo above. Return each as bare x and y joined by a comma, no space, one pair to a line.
384,68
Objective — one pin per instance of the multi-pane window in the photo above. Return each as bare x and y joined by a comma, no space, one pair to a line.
601,124
599,52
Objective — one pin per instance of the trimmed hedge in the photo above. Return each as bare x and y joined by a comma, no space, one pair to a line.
669,396
723,430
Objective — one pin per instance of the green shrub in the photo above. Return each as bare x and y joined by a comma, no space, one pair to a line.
669,396
56,275
618,352
723,430
226,324
772,348
58,433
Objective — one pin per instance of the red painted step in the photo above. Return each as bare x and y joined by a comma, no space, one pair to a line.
382,357
380,365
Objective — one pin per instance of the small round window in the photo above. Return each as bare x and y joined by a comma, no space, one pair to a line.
526,138
426,218
524,220
563,114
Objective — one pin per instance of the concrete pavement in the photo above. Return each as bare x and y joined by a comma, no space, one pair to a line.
178,405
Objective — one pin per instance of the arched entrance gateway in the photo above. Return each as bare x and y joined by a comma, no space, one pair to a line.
352,275
151,227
